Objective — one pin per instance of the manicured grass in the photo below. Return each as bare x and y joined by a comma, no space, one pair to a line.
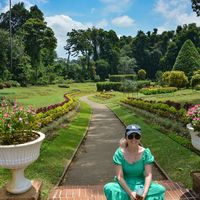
182,96
46,95
176,160
56,153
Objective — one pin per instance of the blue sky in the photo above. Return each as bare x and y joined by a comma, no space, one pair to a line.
125,17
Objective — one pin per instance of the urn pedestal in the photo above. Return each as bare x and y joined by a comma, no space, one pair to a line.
17,158
195,138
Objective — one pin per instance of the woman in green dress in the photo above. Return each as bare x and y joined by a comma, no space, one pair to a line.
133,170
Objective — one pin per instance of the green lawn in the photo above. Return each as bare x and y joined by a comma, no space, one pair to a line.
45,95
182,96
56,153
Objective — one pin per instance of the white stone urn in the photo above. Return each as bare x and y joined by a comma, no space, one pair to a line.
195,138
17,158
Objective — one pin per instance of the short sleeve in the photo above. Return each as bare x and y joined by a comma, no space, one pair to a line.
117,157
148,158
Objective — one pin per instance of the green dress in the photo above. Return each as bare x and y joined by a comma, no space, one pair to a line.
134,177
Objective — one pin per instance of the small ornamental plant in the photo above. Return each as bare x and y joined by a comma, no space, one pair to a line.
16,122
194,117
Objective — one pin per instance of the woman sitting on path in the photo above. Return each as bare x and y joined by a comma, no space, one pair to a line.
133,170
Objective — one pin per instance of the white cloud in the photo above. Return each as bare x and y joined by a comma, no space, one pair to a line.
61,24
101,24
116,6
123,21
175,12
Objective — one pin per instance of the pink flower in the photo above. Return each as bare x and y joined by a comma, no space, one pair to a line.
6,115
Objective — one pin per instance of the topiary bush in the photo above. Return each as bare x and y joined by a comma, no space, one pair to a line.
195,80
175,78
188,59
107,86
142,74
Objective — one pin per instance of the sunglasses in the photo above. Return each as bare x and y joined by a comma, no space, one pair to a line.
134,135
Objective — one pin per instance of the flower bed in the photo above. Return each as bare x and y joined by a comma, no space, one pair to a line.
105,95
157,90
194,116
167,109
16,123
47,114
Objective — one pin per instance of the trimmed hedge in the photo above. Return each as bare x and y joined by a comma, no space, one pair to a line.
158,90
107,86
121,78
141,84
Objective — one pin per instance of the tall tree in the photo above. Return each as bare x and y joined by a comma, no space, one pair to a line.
35,12
126,65
188,59
196,6
4,50
34,30
19,17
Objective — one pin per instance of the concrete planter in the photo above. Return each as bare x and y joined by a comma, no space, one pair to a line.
17,158
196,182
195,138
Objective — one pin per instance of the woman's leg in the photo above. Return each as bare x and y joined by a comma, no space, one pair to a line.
156,192
114,191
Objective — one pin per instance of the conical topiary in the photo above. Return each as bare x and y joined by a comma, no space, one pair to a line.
188,59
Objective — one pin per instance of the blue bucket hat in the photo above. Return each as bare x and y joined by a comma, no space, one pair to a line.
133,128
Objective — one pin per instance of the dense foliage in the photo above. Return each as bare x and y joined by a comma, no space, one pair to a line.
99,49
92,54
33,46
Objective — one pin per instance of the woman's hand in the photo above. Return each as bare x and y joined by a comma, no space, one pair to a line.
133,195
143,196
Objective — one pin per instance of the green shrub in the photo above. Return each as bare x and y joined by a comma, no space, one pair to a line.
158,90
178,79
175,78
107,86
165,77
7,84
14,83
197,87
160,108
121,78
142,74
142,84
195,80
1,85
63,86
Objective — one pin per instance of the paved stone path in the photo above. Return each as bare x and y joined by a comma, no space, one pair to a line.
93,162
